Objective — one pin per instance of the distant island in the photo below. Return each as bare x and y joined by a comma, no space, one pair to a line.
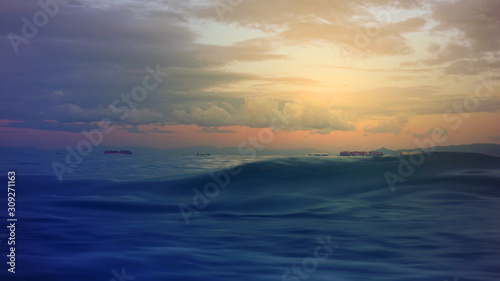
484,148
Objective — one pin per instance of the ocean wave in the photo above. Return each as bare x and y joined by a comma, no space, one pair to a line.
267,216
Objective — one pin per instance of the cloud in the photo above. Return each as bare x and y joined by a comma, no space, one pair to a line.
137,130
473,46
7,122
472,67
338,112
248,50
89,54
377,70
319,116
394,126
194,79
442,132
477,21
433,48
68,113
450,52
158,131
401,77
462,60
214,130
212,116
143,116
335,22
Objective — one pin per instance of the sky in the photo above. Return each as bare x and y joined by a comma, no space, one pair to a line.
325,74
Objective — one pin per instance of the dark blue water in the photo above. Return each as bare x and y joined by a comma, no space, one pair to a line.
273,219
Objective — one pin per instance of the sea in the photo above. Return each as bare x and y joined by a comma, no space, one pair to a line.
428,217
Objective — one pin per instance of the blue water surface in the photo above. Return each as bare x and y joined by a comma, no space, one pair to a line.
158,217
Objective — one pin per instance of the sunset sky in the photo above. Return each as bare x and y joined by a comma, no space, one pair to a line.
358,74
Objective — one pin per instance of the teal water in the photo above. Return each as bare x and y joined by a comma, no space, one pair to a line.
150,218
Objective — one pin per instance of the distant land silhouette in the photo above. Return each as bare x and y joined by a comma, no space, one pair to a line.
492,149
484,148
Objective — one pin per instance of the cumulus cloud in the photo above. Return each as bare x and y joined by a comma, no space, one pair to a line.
319,116
68,113
143,116
91,53
212,116
394,126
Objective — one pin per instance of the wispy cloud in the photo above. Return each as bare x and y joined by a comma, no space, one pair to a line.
210,130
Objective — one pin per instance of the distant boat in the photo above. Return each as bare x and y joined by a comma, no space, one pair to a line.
318,154
202,154
128,152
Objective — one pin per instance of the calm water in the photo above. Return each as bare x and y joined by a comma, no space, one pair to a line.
269,218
